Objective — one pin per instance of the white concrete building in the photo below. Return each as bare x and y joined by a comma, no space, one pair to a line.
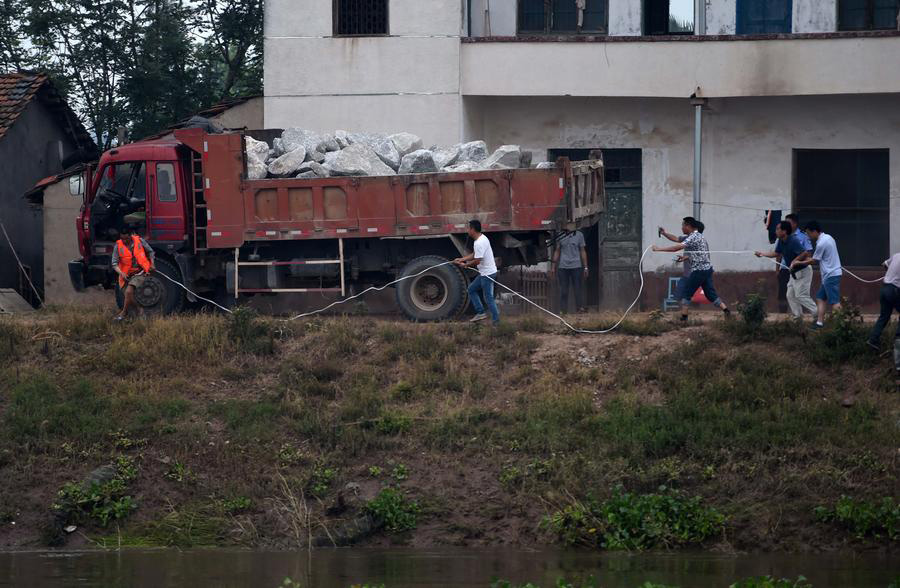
800,109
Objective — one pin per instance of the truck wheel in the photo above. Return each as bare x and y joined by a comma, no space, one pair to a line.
435,295
158,295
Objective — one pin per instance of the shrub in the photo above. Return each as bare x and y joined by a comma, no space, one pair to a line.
770,582
753,310
236,504
392,509
864,518
320,480
636,521
843,338
248,333
79,502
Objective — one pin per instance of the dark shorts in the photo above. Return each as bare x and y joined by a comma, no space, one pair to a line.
830,290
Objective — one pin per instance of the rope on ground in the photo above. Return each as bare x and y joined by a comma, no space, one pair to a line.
505,287
21,267
371,289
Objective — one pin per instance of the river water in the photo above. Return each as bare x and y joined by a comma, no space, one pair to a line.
401,568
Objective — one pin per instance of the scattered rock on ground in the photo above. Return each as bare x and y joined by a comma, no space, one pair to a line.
420,161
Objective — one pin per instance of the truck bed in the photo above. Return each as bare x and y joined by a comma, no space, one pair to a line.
237,210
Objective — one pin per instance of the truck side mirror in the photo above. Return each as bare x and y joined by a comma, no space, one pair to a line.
76,185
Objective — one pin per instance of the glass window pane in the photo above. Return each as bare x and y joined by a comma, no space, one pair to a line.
852,15
564,16
681,16
531,15
165,182
885,14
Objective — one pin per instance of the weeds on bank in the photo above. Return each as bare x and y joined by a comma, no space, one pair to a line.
392,509
865,519
636,521
96,502
249,333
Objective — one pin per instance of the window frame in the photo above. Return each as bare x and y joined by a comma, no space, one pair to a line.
796,205
668,33
335,21
738,21
564,33
172,180
870,19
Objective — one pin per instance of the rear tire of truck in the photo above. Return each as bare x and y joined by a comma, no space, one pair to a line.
158,295
435,295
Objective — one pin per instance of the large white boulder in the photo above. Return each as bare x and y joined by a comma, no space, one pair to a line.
506,157
289,163
258,149
356,160
420,161
256,169
295,137
381,145
342,138
472,151
446,157
406,143
465,166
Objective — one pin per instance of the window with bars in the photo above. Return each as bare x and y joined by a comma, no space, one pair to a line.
867,15
668,17
360,17
847,191
562,16
760,17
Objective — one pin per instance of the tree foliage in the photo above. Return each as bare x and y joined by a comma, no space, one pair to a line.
139,64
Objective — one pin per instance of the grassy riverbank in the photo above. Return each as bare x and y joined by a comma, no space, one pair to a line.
263,433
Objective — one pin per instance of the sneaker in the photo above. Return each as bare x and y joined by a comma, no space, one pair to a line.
118,318
684,318
874,346
478,317
727,312
816,326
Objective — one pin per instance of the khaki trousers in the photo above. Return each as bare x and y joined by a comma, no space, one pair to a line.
798,293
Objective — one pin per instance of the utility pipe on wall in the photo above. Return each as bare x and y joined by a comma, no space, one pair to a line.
698,104
699,17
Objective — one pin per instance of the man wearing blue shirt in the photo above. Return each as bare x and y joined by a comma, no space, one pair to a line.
826,256
788,247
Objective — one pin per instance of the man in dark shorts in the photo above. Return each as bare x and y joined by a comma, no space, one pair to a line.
696,249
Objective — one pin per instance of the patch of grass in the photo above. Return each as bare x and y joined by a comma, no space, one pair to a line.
320,480
400,472
842,339
753,310
249,333
878,520
636,521
183,527
590,582
237,504
249,419
40,412
652,327
393,423
392,509
180,473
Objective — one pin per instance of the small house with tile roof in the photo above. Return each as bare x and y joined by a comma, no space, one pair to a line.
38,131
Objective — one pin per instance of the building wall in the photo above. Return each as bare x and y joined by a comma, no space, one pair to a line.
721,17
738,67
29,152
407,81
747,159
60,209
247,115
815,16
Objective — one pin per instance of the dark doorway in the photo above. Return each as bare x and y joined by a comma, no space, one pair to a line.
848,192
614,246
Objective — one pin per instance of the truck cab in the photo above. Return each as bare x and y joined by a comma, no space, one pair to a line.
143,184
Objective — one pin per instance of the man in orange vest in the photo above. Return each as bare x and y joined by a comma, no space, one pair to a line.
132,259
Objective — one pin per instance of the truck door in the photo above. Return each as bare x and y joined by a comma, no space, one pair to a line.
166,224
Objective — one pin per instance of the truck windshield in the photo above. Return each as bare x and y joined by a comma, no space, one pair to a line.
122,193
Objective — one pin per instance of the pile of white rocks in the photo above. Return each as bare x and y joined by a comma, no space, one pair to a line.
305,154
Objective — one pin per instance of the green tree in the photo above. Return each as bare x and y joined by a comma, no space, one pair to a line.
13,53
235,41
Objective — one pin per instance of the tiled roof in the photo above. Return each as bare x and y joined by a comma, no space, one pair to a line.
17,90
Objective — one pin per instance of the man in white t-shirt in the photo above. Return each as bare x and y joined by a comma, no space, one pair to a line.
483,258
826,257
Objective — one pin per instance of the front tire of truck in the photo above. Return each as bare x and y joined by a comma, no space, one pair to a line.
158,295
436,295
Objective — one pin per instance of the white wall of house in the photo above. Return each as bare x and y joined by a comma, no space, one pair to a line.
408,80
721,17
747,159
625,18
815,16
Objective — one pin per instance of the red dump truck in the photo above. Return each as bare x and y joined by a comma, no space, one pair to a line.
226,237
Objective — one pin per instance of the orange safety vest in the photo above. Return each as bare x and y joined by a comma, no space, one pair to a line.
126,259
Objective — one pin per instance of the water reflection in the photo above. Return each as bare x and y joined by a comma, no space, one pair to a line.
409,568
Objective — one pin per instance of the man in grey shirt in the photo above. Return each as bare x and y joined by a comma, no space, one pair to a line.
570,264
890,301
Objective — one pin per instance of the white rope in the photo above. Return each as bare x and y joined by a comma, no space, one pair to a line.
174,281
504,286
21,267
372,289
